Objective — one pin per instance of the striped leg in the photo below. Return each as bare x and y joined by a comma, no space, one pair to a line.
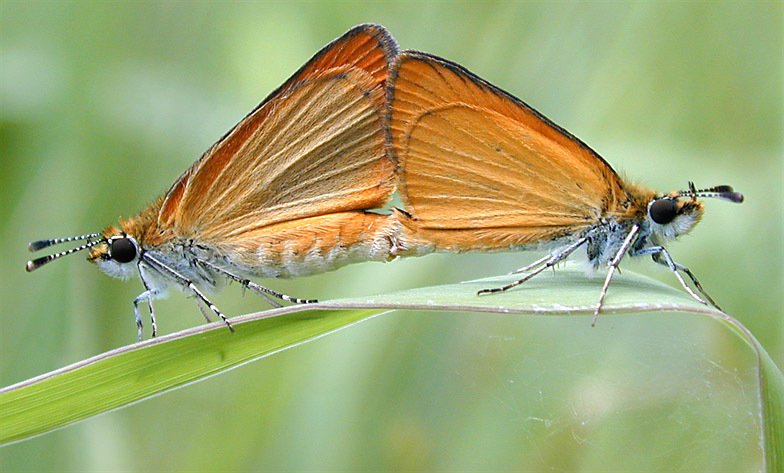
662,256
552,260
258,289
627,242
532,265
158,265
145,296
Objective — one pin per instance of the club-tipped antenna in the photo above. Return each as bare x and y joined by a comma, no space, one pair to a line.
717,192
41,244
37,263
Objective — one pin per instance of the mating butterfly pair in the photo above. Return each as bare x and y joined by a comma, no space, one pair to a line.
299,185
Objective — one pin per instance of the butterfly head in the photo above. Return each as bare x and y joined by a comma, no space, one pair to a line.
114,251
116,254
677,213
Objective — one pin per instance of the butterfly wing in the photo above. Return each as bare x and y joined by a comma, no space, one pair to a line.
481,169
315,146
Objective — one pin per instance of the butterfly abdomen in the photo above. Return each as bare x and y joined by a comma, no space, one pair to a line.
315,245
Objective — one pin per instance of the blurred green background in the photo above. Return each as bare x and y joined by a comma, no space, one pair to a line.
104,104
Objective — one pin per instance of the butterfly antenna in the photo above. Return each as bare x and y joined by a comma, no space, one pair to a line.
716,192
37,263
41,244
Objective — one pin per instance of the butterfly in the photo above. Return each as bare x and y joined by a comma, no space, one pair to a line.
482,171
287,192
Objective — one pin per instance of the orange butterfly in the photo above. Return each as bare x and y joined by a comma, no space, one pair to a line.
483,171
284,193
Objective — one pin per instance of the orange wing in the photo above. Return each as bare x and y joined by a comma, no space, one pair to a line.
482,170
315,146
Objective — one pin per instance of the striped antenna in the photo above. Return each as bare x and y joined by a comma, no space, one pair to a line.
716,189
37,263
716,192
41,244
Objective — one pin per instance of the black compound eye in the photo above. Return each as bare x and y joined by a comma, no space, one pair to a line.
663,211
122,250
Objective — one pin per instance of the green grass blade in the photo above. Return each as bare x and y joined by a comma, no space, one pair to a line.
772,399
130,374
136,372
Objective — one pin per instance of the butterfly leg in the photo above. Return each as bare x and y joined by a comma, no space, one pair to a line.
160,266
532,265
627,242
145,296
552,260
660,255
261,291
693,278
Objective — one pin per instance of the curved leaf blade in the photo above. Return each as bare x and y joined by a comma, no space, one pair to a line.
136,372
